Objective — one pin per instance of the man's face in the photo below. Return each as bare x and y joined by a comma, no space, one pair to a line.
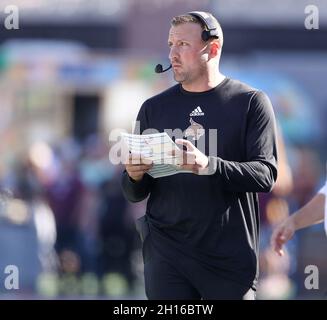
187,54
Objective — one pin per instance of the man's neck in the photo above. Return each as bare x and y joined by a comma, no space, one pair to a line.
204,84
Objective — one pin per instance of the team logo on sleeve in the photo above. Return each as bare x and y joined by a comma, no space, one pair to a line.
195,130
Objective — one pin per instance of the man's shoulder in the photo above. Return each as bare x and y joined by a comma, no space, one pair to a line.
164,95
238,87
250,97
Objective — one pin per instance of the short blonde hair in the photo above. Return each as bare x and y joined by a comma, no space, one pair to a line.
188,18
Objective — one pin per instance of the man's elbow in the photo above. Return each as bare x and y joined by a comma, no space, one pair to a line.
270,180
268,187
133,196
135,199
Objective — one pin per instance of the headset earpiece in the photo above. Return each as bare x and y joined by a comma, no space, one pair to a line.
205,35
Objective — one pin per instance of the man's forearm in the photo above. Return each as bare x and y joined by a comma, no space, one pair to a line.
311,213
135,191
254,176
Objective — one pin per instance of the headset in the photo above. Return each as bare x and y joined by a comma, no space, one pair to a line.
209,22
210,31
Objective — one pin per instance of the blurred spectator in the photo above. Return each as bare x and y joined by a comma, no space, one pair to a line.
27,228
116,232
64,194
274,281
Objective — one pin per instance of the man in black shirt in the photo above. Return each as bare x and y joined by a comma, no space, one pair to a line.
200,231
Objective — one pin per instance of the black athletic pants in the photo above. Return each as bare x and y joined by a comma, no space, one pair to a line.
166,280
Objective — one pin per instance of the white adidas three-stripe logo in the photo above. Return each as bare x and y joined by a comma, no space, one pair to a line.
197,112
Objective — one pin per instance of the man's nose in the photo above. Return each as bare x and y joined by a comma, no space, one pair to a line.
173,53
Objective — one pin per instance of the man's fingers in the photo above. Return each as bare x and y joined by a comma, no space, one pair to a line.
282,238
276,241
135,168
186,143
279,246
138,159
137,172
280,241
280,252
174,152
184,157
146,162
190,167
279,237
187,158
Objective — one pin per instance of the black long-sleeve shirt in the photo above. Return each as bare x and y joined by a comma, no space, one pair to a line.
212,218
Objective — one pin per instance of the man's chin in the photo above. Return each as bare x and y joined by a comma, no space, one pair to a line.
178,78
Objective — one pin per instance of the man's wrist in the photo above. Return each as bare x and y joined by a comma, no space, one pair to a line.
292,219
212,165
134,180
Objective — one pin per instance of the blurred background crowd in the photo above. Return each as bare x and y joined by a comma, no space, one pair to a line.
74,71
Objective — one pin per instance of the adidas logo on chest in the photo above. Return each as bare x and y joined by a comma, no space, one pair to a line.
197,112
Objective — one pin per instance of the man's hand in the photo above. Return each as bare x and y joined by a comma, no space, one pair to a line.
281,234
192,159
136,166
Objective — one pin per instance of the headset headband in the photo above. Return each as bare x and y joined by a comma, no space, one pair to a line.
209,22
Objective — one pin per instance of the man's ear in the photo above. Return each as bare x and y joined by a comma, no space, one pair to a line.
214,49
